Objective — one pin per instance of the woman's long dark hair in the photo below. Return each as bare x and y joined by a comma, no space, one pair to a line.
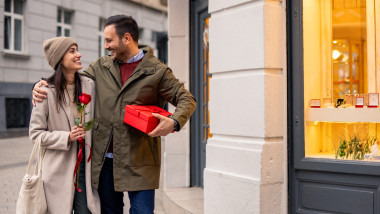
59,81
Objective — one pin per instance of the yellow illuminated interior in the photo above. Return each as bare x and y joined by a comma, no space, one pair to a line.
206,81
341,42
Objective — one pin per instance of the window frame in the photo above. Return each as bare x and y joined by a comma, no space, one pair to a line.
102,51
62,23
296,114
15,16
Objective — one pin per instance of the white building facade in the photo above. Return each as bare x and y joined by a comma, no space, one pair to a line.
246,148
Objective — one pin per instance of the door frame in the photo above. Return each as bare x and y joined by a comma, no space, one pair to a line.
198,11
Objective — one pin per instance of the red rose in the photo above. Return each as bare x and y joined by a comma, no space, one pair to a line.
85,98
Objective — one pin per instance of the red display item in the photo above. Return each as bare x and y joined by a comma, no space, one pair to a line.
315,103
373,100
359,102
141,117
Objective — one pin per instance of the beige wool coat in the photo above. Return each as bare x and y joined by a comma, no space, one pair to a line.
60,157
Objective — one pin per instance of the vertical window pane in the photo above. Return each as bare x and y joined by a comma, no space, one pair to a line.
349,37
7,32
8,6
67,32
59,15
59,31
205,82
335,74
18,35
67,17
18,6
100,24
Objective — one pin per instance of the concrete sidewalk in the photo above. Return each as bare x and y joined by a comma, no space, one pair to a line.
14,159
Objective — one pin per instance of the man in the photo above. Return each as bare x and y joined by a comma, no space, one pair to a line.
124,158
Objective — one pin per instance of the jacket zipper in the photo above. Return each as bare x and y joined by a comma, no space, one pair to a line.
108,144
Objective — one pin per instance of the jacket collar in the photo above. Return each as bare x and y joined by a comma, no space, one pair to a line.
145,67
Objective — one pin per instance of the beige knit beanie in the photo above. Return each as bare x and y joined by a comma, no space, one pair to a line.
55,48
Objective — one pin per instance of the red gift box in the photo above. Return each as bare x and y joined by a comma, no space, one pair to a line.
141,117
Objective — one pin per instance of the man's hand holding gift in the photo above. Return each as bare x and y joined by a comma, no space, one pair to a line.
165,126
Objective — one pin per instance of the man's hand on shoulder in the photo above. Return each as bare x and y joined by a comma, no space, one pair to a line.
38,93
165,126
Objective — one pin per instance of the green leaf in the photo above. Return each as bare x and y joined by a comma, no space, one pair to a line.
77,121
79,107
88,125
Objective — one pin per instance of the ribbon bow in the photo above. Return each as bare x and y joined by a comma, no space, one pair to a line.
79,159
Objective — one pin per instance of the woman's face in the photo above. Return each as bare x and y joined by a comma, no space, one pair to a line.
71,59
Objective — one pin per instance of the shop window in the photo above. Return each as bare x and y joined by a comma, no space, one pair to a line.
18,112
341,79
14,25
64,22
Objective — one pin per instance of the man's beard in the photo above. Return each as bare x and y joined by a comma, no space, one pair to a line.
119,52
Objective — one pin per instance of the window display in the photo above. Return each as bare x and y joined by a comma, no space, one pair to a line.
342,79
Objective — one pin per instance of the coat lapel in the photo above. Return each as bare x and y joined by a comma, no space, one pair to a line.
114,70
86,88
67,110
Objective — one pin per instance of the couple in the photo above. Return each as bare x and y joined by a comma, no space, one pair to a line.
124,159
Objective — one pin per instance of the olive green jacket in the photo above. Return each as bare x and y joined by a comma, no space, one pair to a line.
137,157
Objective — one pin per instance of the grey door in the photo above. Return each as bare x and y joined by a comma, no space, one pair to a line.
320,185
199,77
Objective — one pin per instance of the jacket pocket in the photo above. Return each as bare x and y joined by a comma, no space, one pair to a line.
100,140
145,151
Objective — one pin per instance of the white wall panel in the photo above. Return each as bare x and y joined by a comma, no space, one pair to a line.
177,171
272,158
177,143
274,104
237,39
179,58
176,167
228,193
224,156
273,33
247,109
215,5
178,12
237,104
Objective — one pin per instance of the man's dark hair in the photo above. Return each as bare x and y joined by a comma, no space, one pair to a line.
124,24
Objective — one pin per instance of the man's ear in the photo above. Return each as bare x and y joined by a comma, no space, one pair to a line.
128,38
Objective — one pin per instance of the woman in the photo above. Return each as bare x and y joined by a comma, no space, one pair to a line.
53,118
